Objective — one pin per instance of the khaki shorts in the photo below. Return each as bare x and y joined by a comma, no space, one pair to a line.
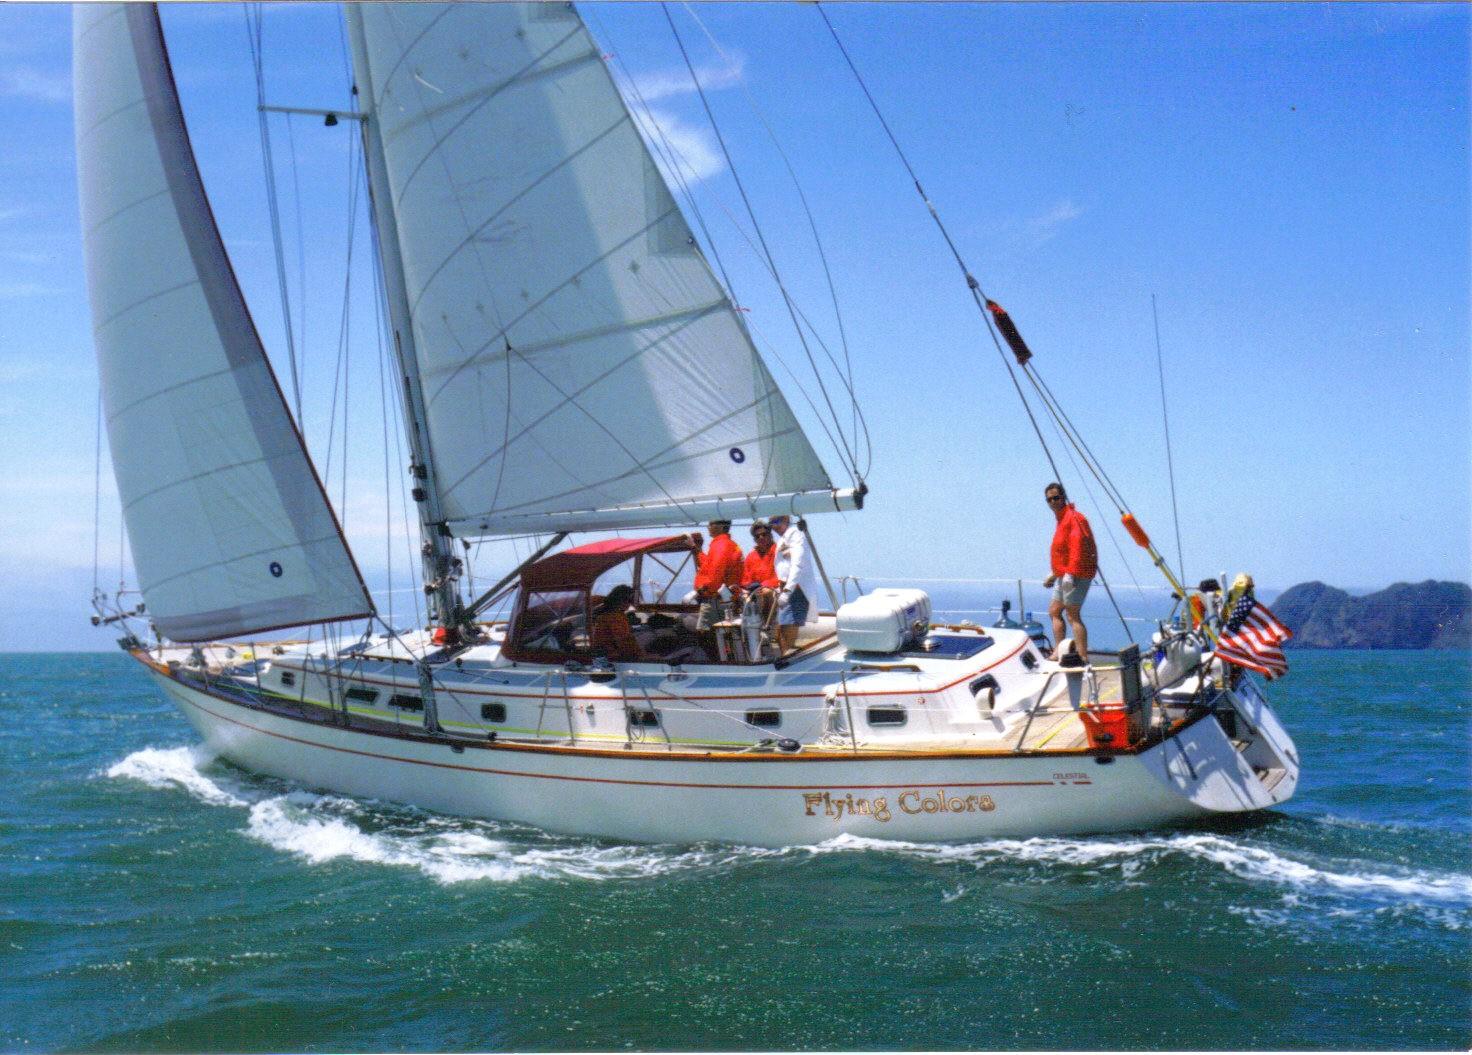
1070,591
711,612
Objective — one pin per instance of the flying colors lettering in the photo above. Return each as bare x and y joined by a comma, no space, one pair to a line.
911,800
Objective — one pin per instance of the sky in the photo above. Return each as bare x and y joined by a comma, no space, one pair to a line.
1289,183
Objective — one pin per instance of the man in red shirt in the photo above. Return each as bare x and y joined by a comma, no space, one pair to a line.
718,566
760,568
1075,561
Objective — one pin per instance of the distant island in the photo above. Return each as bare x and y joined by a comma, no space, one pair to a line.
1427,614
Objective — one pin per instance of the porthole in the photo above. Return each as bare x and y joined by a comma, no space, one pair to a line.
493,712
644,718
765,719
406,703
288,678
886,716
357,694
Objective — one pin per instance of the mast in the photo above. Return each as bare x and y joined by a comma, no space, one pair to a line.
436,551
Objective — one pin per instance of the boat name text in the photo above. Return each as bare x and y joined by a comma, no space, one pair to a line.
911,800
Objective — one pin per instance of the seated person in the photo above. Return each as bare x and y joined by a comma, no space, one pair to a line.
611,635
759,571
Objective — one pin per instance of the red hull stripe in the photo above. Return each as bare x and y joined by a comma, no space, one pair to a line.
604,780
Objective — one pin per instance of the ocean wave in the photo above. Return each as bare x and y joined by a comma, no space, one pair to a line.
320,827
165,767
1257,864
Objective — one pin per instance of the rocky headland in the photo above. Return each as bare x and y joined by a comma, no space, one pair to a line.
1428,614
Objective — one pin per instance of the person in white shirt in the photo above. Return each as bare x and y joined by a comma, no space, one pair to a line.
798,574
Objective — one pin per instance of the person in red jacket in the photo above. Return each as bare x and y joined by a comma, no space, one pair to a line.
760,568
1075,561
719,566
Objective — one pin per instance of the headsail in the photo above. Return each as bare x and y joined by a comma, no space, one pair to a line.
581,366
230,530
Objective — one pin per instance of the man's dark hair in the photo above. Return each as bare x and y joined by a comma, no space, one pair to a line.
1055,486
618,598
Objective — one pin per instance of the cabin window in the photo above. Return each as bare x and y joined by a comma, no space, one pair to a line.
553,621
288,678
886,716
405,703
361,695
767,719
644,718
493,712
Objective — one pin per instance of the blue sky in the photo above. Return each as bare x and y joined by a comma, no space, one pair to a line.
1291,183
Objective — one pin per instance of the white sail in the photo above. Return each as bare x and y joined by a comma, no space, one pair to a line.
581,366
230,530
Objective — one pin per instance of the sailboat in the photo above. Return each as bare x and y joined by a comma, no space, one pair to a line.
570,364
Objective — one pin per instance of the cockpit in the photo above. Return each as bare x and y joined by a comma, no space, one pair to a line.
563,596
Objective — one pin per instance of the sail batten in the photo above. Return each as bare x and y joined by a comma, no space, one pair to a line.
574,347
230,529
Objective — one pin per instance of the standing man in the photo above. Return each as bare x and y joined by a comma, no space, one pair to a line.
798,577
1075,562
718,568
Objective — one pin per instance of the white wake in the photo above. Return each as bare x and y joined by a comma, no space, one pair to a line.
319,828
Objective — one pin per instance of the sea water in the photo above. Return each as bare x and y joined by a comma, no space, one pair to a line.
152,898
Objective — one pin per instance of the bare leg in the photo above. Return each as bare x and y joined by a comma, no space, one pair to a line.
787,638
1055,610
1080,632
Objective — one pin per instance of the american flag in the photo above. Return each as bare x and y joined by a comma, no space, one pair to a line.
1253,637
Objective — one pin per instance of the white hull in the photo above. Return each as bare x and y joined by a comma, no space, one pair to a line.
680,796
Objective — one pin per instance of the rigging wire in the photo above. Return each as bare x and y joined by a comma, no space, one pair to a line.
848,371
851,459
971,281
674,160
254,32
1169,458
987,307
301,241
97,499
1099,570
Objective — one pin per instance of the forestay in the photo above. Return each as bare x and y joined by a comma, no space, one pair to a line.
581,366
229,527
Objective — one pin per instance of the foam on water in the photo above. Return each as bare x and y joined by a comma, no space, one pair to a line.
164,767
1449,894
320,828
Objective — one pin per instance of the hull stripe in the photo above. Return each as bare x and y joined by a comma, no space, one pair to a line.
605,780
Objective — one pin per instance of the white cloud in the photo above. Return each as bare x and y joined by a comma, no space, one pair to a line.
668,84
696,153
28,82
1046,225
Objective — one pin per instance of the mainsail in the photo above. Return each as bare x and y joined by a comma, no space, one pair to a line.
230,530
581,367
